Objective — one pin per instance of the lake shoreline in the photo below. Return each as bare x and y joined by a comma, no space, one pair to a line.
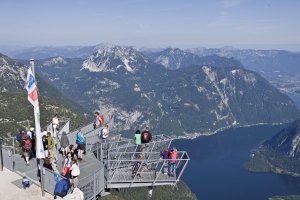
192,136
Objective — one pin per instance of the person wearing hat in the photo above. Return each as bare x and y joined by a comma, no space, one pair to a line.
173,154
26,146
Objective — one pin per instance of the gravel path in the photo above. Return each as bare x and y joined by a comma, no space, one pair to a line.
11,192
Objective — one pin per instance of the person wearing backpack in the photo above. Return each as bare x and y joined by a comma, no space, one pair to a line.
19,139
26,145
97,122
146,138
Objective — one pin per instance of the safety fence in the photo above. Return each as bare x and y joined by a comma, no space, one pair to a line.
50,179
122,169
8,161
73,134
91,185
158,143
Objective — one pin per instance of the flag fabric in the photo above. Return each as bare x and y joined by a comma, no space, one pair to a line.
31,88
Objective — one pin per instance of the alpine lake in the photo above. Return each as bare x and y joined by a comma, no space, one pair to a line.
215,169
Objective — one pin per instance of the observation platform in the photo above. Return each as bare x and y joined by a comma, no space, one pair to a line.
109,162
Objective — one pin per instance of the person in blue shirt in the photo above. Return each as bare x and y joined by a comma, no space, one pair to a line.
81,145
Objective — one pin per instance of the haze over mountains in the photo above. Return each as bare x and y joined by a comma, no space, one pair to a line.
133,91
280,67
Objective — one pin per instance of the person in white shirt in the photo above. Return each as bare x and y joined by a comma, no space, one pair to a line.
105,131
74,172
44,132
55,125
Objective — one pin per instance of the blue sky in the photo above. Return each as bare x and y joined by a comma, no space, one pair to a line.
155,23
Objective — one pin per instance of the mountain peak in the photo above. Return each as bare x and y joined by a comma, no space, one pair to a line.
111,58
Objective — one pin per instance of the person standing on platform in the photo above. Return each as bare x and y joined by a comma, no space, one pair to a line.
81,145
50,144
64,142
173,160
137,140
146,138
33,139
55,125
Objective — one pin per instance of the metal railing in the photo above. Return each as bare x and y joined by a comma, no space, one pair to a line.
7,158
92,140
49,180
121,170
64,128
93,184
158,143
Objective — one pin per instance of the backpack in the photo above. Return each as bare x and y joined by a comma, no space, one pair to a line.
27,144
61,188
101,118
19,137
145,137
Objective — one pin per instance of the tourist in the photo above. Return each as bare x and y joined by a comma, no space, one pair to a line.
33,139
105,132
173,159
55,125
97,122
165,155
81,145
45,145
72,150
50,144
137,169
137,140
47,164
75,172
64,142
146,138
44,132
19,139
26,144
25,182
67,165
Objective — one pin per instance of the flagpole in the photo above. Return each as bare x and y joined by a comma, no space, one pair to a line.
37,130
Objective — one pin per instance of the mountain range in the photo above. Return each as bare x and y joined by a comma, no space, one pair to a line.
132,91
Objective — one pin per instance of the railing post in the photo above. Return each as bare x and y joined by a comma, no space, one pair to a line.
94,197
1,155
14,149
97,150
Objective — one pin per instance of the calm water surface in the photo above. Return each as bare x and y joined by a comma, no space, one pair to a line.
215,171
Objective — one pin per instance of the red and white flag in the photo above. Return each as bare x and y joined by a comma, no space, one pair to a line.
31,88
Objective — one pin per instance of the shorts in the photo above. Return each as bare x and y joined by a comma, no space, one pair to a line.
64,149
81,146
